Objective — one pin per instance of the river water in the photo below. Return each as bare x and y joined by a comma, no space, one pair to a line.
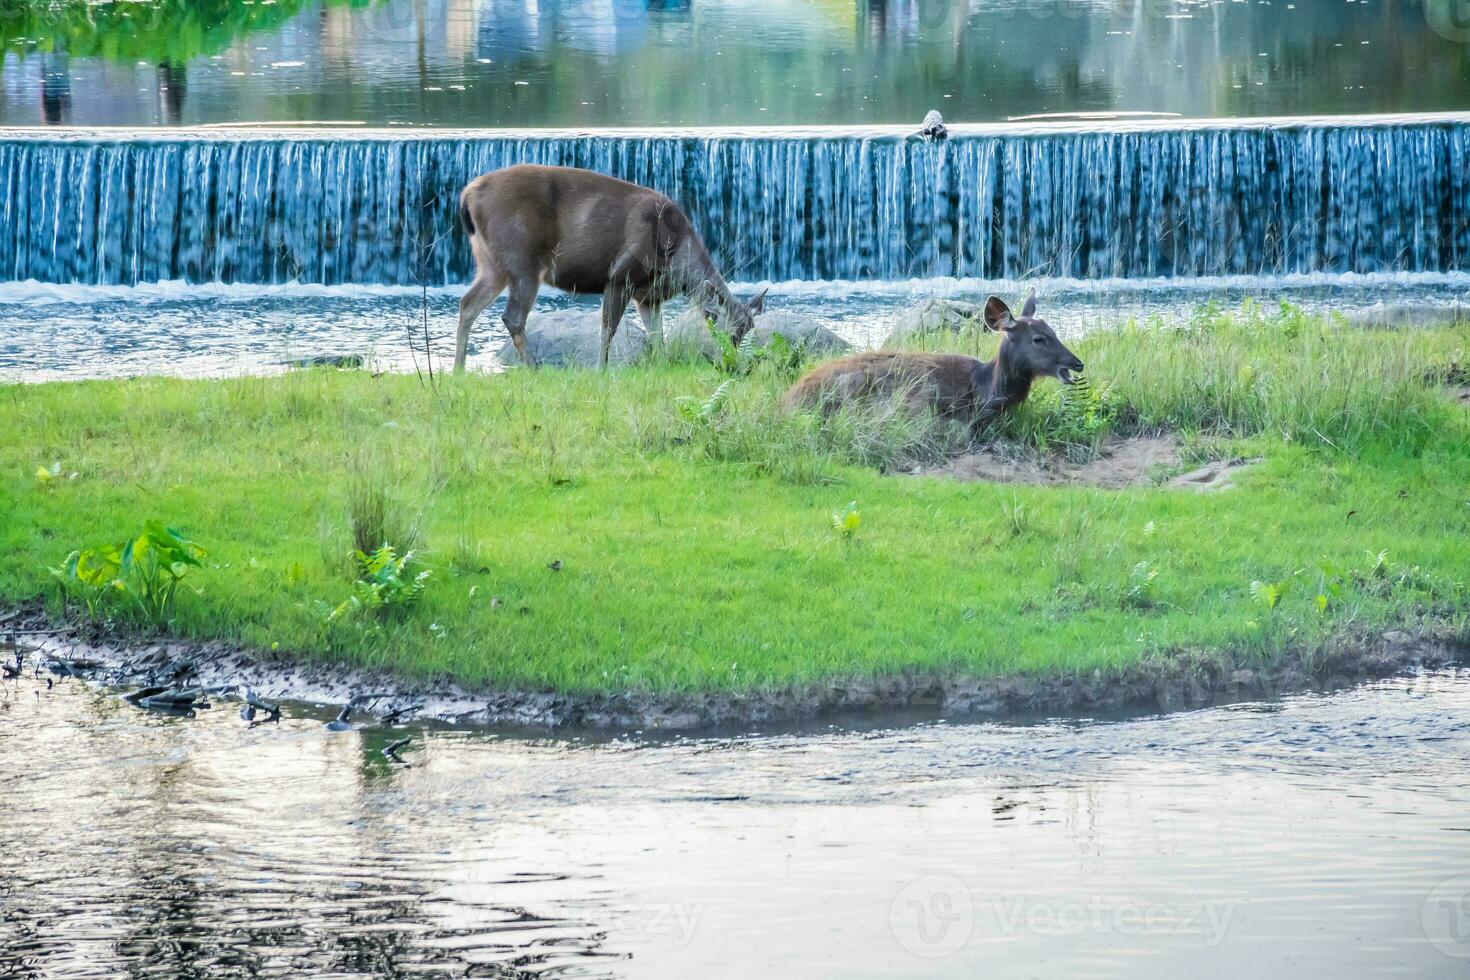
600,63
1321,835
66,332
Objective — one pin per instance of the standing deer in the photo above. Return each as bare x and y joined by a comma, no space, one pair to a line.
953,385
585,232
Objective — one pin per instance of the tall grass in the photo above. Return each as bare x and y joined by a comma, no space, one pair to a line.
1305,378
1253,371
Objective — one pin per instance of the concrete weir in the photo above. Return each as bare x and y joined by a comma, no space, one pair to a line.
1090,199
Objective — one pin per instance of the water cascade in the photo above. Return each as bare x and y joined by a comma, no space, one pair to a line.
1213,199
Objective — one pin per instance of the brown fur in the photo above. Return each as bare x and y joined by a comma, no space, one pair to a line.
583,232
951,385
946,382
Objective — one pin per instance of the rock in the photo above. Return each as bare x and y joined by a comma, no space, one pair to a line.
573,338
934,316
803,332
1397,638
1243,677
328,360
1397,315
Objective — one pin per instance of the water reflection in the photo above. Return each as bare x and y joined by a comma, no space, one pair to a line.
1241,839
708,62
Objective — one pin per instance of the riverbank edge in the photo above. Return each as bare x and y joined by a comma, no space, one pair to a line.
1179,680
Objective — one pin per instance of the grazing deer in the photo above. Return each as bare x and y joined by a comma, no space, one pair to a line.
585,232
953,385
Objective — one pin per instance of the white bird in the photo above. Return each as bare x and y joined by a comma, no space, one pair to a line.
933,128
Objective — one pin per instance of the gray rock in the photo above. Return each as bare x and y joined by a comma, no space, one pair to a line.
1400,315
573,338
689,331
934,316
328,360
1397,638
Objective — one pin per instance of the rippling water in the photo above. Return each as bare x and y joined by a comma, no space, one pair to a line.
50,332
1319,835
708,62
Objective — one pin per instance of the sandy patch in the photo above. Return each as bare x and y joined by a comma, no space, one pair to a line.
1140,461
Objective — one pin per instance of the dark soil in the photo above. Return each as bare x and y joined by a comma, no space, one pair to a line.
1181,679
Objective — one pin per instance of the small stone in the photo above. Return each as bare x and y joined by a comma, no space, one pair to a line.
934,316
573,338
800,331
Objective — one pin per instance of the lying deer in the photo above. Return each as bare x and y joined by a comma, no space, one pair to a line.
585,232
953,385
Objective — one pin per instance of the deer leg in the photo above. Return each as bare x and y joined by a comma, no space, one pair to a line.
652,313
517,308
482,293
614,304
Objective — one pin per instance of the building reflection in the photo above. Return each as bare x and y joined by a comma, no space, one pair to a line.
512,28
172,86
55,89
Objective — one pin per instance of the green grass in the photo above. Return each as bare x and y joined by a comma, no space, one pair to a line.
695,533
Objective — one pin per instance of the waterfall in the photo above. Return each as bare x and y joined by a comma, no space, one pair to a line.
1204,200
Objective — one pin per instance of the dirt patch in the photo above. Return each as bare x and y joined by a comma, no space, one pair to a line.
1177,679
1139,461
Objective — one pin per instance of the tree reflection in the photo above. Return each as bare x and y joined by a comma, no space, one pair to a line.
165,32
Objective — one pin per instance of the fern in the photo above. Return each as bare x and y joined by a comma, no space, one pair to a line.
1270,594
716,401
386,584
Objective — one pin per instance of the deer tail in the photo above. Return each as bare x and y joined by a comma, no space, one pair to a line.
465,221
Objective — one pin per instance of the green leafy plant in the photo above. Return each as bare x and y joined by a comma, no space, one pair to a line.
1270,594
696,412
145,570
50,476
1141,585
1330,582
88,575
741,359
388,584
847,521
1087,414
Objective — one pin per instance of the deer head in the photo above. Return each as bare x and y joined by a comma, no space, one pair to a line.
1029,346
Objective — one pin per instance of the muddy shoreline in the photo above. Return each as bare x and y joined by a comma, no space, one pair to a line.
1180,680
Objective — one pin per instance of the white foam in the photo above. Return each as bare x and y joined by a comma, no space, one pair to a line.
942,286
31,292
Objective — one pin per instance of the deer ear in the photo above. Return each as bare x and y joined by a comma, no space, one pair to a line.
1030,308
998,314
757,303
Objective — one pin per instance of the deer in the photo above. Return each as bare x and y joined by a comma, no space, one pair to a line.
952,385
585,232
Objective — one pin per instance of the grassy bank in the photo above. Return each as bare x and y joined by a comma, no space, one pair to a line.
665,527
